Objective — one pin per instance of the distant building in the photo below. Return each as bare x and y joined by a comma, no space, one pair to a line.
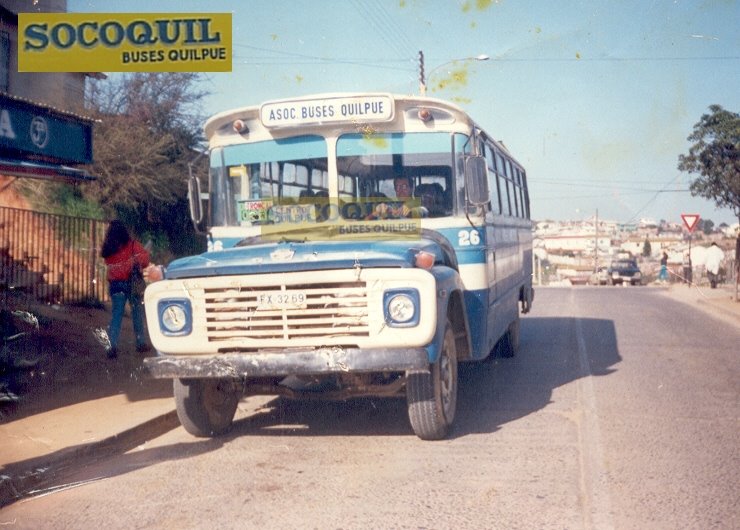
577,243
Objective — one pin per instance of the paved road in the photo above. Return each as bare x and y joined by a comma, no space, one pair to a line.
621,411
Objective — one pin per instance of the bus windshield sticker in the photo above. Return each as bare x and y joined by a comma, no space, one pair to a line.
254,210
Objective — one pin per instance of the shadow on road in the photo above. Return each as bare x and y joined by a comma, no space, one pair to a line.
491,393
553,353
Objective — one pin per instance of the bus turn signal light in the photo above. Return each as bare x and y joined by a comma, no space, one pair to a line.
424,260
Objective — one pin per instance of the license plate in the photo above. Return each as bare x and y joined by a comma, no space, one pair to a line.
281,300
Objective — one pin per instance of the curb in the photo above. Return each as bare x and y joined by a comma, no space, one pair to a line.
728,313
17,480
718,306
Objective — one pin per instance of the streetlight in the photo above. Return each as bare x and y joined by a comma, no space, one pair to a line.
422,81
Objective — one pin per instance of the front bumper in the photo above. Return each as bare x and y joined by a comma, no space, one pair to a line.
288,362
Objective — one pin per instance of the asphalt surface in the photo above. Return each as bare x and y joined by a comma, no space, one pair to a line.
85,408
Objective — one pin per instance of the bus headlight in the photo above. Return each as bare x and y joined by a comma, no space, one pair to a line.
175,317
401,307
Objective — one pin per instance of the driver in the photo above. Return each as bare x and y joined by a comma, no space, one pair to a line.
404,187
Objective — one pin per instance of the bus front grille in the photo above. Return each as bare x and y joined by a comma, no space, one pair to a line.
280,312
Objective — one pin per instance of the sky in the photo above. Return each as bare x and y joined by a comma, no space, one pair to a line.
595,98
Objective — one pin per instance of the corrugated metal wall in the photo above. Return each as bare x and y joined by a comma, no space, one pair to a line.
53,258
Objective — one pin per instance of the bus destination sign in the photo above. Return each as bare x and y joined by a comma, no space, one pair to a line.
360,109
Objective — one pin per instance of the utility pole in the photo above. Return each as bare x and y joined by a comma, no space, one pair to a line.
422,81
596,241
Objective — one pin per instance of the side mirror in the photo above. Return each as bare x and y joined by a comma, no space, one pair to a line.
196,205
476,180
195,197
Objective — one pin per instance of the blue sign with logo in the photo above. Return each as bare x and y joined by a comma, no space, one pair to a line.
57,137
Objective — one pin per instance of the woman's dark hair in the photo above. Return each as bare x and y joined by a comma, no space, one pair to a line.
115,237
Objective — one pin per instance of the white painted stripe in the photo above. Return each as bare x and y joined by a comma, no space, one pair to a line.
597,505
474,276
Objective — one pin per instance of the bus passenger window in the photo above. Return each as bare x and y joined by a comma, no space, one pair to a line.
513,189
493,185
505,195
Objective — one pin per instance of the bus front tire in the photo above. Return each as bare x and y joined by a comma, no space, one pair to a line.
432,396
205,407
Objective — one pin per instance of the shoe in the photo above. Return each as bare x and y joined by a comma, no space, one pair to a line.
143,348
112,353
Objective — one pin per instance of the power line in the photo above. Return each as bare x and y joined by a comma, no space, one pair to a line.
652,199
294,58
391,37
606,186
610,59
601,196
410,54
316,57
392,22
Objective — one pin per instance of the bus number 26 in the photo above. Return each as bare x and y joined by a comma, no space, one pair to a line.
466,238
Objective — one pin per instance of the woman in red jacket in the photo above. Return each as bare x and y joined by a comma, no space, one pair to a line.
121,251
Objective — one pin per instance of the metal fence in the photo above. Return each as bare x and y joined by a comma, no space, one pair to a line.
53,258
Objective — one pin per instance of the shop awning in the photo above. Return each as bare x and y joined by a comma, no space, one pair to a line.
18,168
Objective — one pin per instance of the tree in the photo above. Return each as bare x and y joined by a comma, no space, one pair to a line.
713,157
706,226
647,248
149,129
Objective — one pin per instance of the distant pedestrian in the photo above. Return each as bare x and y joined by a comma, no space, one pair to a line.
121,252
663,276
713,260
687,272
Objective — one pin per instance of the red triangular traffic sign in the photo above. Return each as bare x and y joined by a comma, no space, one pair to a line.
690,220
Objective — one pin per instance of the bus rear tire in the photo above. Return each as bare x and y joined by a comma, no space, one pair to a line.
510,340
205,407
432,396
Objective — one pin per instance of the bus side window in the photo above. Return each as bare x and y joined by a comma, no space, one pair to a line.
512,189
520,192
493,184
505,187
525,191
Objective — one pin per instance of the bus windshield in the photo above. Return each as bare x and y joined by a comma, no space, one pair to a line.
250,182
246,179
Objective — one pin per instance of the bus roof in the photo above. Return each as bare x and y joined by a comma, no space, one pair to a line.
327,103
282,117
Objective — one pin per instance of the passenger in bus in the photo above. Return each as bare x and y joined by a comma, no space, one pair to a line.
321,202
403,207
431,196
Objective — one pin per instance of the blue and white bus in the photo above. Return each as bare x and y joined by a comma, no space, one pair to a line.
359,245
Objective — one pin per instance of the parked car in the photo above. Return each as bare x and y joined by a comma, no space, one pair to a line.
599,277
624,270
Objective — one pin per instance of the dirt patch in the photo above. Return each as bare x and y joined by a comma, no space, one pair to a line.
59,360
9,196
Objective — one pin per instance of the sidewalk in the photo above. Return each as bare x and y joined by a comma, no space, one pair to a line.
719,302
78,406
73,404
